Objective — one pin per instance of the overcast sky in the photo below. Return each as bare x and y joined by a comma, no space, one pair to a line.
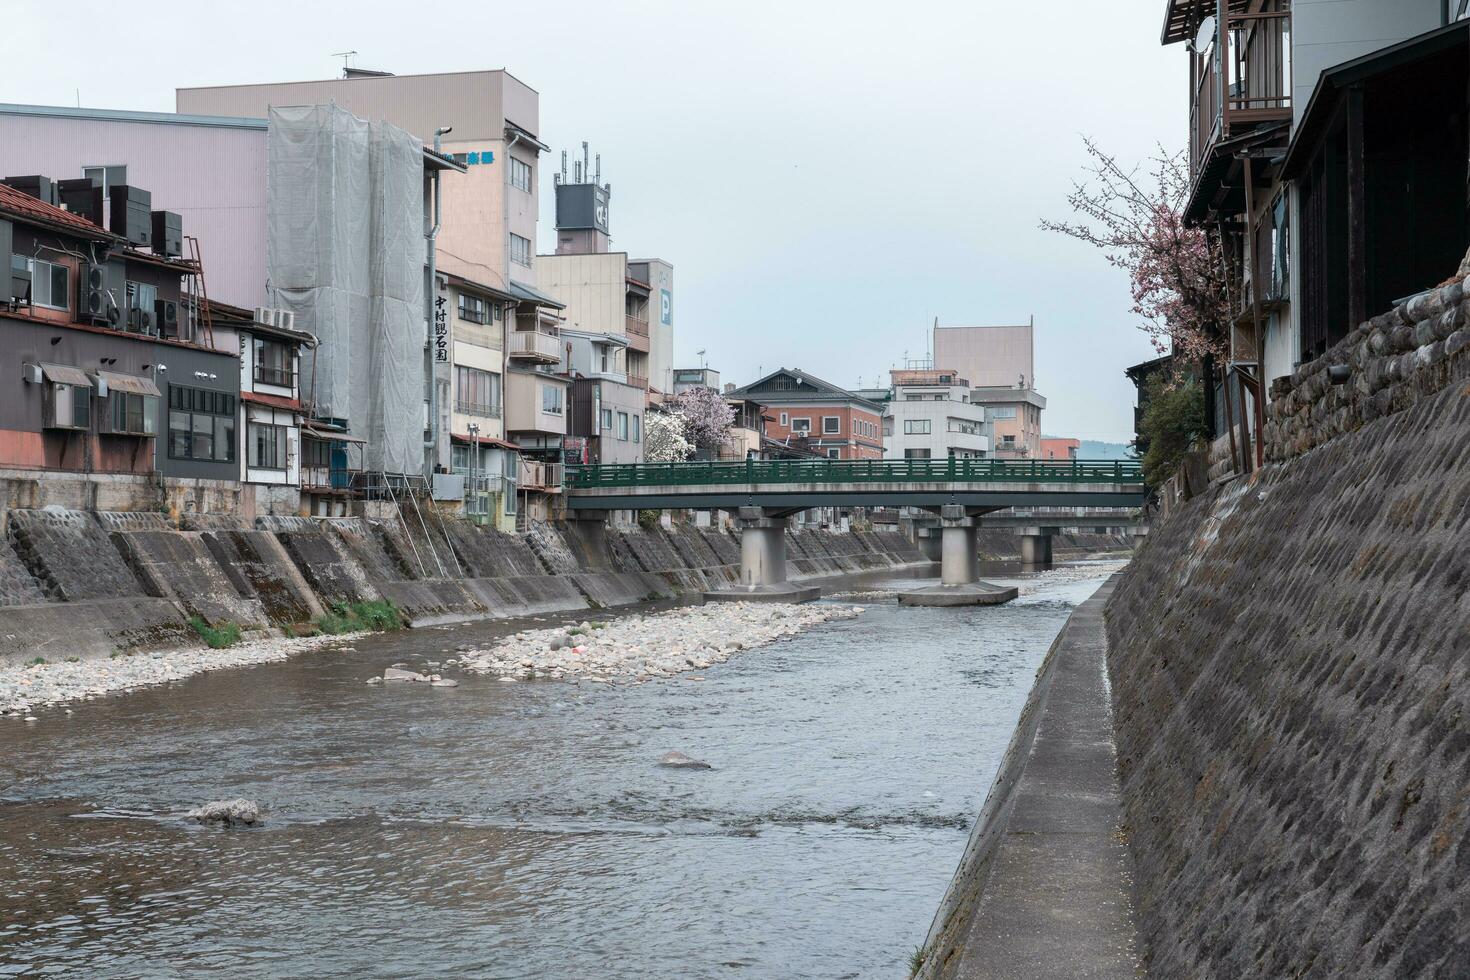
826,177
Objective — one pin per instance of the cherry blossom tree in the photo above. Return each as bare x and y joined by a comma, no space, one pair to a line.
708,417
1176,272
663,437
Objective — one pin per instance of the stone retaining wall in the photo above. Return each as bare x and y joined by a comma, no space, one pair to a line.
1395,360
290,570
1290,662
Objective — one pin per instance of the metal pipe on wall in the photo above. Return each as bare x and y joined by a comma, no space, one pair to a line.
432,442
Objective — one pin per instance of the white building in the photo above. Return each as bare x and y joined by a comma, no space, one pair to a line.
929,415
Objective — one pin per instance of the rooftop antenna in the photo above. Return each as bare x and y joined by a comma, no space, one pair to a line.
586,164
563,179
345,55
598,178
700,352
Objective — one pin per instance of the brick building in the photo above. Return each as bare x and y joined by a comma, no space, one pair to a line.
835,422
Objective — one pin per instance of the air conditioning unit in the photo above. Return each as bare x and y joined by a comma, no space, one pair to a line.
166,315
41,188
141,321
168,234
286,319
265,316
132,214
100,286
81,197
31,374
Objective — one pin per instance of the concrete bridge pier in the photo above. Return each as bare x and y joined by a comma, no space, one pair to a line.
762,548
763,561
959,565
1036,549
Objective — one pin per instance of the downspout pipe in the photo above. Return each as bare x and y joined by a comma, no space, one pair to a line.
432,442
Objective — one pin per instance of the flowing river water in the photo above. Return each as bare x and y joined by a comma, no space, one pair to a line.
523,829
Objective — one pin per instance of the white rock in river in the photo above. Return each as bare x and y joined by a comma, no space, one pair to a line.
678,760
444,683
398,674
228,812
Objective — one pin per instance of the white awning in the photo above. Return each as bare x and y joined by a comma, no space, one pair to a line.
130,383
65,374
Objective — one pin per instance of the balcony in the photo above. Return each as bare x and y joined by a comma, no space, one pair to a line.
536,475
477,408
637,330
535,346
638,381
1241,77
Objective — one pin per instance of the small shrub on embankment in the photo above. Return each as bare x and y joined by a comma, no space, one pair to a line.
380,616
217,637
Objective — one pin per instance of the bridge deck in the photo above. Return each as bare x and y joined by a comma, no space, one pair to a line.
980,483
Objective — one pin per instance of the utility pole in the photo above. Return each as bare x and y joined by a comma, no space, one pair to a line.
474,429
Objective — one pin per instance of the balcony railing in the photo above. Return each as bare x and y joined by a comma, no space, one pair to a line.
638,381
477,408
536,475
1241,79
534,345
281,377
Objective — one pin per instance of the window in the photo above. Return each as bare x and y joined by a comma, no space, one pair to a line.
273,362
474,309
520,250
476,392
916,454
606,420
69,407
131,414
106,177
1002,412
637,428
551,399
831,425
784,419
50,282
201,424
141,297
622,426
267,448
520,175
916,427
801,425
834,454
1007,440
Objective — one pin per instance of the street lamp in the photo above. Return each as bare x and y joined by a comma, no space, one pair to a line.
474,452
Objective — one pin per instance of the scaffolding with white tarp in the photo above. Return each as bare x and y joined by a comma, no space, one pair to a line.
345,252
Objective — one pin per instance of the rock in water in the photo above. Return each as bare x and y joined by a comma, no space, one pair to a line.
399,674
229,812
678,760
444,682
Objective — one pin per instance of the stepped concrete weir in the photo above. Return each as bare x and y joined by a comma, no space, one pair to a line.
763,561
959,565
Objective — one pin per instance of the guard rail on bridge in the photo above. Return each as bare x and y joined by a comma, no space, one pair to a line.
849,471
793,485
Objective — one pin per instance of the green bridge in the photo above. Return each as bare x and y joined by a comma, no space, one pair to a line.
764,493
799,484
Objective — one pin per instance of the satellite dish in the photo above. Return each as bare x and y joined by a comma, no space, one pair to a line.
1205,36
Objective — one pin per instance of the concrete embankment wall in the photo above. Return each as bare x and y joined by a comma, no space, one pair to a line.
1045,850
1290,662
88,583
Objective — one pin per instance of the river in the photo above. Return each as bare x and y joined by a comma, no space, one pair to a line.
523,829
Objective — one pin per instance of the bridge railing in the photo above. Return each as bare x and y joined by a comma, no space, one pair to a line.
703,473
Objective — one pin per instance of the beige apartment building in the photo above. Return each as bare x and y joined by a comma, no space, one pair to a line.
1000,364
485,250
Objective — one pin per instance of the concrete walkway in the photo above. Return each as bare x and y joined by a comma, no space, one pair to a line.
1043,888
